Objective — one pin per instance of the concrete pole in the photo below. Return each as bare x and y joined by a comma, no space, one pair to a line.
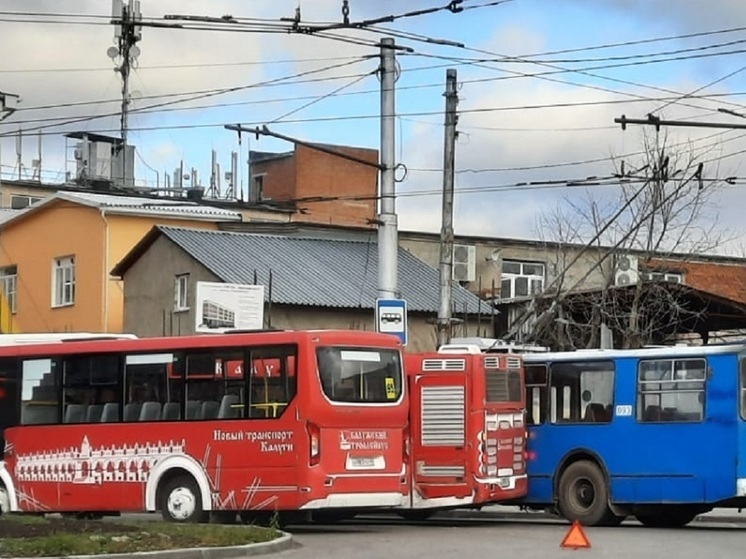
446,231
388,241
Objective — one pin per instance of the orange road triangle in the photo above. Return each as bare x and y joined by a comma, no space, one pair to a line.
576,538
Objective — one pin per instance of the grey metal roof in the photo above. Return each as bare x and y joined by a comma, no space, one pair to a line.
316,272
150,206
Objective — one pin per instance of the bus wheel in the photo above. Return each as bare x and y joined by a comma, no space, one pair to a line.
583,495
4,501
180,501
673,517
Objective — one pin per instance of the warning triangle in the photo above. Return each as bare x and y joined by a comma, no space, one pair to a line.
576,538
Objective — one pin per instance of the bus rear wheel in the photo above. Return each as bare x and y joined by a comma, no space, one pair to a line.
584,496
181,501
668,517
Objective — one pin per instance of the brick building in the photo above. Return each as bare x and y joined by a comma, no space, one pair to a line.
332,185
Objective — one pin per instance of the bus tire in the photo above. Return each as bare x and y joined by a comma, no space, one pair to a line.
584,496
670,517
180,501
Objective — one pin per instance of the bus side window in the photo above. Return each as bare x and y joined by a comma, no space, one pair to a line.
273,380
671,390
536,394
582,391
40,382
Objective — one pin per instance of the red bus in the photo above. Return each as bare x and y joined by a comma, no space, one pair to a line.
467,429
237,423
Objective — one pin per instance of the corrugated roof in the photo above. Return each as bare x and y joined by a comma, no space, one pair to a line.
132,205
149,206
316,272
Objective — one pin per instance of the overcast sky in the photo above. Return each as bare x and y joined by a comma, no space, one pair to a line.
545,115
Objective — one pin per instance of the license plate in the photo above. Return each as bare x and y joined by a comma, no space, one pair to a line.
365,463
362,462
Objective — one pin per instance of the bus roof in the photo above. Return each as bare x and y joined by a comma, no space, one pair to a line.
646,352
101,344
54,337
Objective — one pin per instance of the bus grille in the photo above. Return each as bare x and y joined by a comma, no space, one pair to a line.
444,365
492,362
442,422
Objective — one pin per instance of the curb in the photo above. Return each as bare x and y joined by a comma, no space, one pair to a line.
279,544
703,518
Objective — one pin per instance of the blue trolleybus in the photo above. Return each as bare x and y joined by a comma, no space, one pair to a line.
657,433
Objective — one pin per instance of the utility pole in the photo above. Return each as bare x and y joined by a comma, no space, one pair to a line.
446,230
127,32
388,242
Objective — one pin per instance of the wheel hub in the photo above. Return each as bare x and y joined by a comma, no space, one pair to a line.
182,503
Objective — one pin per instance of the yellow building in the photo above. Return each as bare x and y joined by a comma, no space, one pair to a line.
55,257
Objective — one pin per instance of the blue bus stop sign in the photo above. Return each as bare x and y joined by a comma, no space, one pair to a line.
391,317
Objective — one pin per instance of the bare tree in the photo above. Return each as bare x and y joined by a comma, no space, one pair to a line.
662,214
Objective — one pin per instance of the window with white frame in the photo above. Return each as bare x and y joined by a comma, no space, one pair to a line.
9,285
659,275
181,292
63,281
521,279
20,202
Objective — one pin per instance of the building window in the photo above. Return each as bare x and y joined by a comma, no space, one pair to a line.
63,280
181,292
9,285
673,277
521,279
21,202
258,187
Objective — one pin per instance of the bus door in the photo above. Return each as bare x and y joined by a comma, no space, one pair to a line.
9,400
741,457
439,443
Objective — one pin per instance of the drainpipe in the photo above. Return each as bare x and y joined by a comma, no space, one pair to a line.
105,275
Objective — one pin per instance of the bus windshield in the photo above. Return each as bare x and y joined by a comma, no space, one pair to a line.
360,375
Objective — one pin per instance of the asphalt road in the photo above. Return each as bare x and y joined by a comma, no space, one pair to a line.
375,538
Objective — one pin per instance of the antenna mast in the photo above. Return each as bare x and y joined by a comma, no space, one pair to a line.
126,35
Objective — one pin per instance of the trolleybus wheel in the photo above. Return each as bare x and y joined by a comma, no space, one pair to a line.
583,495
669,517
181,501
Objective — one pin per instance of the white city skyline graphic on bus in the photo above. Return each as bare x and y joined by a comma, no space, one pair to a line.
95,465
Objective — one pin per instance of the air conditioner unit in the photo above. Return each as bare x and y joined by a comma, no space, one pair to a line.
464,262
625,270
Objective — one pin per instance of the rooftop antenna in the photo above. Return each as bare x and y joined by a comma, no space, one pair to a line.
19,153
126,35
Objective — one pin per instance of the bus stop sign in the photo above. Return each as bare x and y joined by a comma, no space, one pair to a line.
391,317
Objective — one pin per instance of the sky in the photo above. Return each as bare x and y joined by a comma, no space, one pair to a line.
540,84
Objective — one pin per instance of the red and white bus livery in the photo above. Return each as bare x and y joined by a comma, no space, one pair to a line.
246,423
467,429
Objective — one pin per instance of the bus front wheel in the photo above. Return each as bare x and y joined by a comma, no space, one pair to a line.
181,501
584,496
